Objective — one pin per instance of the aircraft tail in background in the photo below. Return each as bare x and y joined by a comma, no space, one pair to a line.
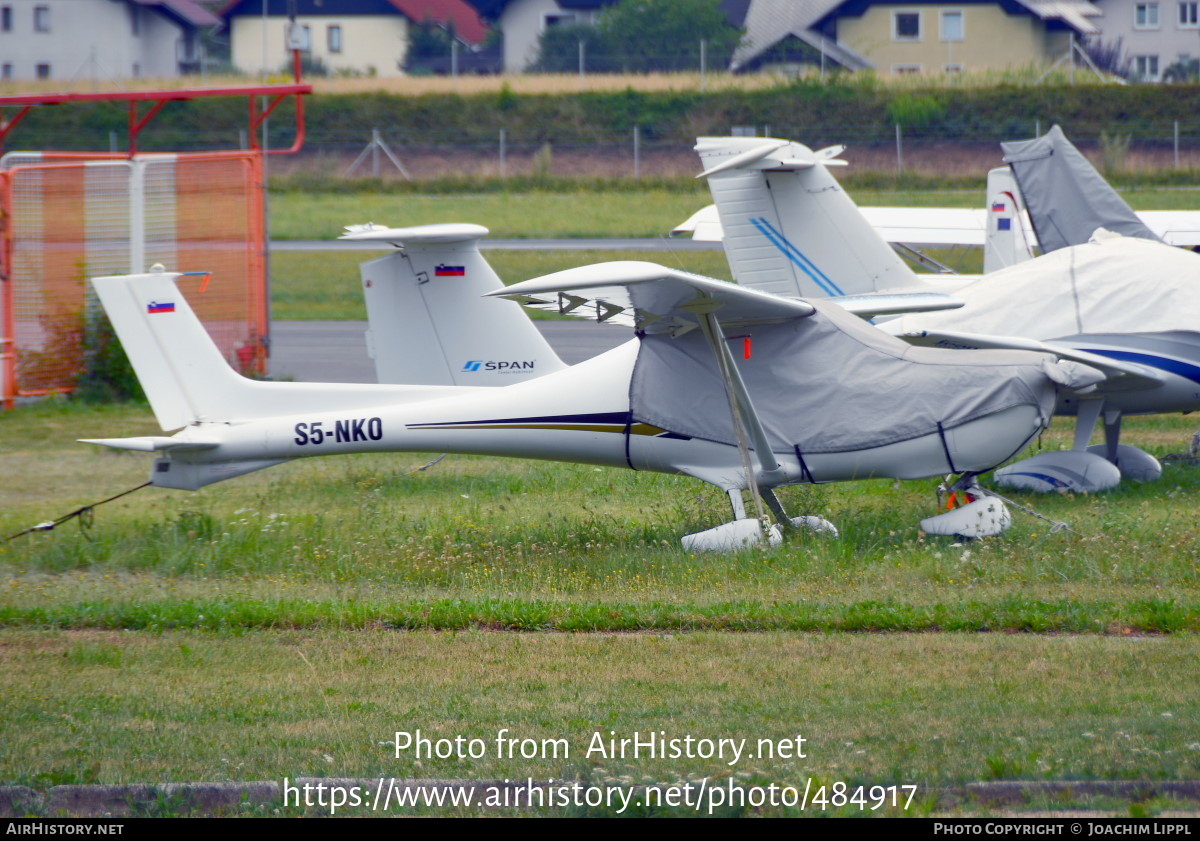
429,322
1006,242
789,227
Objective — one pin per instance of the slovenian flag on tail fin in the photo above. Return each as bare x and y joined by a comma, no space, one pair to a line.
998,207
442,270
154,307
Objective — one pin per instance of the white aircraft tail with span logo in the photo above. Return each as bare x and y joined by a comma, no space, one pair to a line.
790,229
429,321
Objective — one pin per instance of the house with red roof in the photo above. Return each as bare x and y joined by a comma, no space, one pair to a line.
354,36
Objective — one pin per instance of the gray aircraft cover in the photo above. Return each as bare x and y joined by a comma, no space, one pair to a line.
832,383
1066,198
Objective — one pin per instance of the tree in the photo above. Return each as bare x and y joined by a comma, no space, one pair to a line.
650,35
558,50
429,39
642,36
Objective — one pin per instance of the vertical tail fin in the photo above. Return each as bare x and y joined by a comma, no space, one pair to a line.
430,325
1005,243
181,370
789,227
188,381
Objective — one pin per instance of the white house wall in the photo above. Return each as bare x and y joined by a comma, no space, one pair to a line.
522,23
1169,41
368,41
88,39
160,47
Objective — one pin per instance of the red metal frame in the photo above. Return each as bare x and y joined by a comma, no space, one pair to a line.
8,330
160,98
136,123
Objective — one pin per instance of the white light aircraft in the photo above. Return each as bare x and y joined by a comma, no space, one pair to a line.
789,229
817,395
1070,198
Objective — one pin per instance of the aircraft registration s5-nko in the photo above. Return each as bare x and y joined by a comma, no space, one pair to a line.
814,395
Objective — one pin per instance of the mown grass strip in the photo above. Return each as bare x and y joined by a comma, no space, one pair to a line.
1011,614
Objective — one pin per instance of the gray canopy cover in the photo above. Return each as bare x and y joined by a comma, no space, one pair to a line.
831,383
1066,198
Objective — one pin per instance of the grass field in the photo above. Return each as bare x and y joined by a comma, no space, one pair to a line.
288,622
649,213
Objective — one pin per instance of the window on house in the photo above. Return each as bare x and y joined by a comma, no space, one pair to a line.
1146,67
555,20
953,68
5,71
952,26
906,69
5,18
43,71
135,20
1145,16
1189,15
333,38
41,18
906,26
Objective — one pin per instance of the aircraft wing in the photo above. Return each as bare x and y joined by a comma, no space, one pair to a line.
613,304
1175,227
929,225
1123,376
652,298
953,225
938,226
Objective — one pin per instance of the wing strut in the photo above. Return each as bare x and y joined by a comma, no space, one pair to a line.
747,426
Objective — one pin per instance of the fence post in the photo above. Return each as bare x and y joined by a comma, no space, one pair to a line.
502,151
137,217
899,152
1177,144
582,61
703,80
637,152
454,62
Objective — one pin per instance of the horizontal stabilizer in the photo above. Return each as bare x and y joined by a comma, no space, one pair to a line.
151,444
416,235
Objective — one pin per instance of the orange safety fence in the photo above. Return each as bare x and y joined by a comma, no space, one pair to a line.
66,219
